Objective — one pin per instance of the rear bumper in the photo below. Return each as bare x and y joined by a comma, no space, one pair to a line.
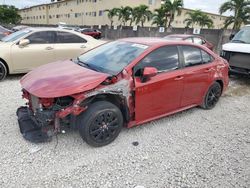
29,127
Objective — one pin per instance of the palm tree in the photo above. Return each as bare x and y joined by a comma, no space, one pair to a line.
172,7
142,14
132,17
200,18
111,14
241,10
159,17
204,20
124,14
193,18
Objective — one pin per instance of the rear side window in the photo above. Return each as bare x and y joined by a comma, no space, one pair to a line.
195,56
192,56
164,59
206,57
66,37
43,37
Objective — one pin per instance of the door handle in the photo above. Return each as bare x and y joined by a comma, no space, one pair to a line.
49,48
179,78
83,46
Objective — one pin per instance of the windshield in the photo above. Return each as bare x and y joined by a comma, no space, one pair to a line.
112,57
14,36
243,36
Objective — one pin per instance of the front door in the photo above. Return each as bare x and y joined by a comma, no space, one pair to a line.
160,94
39,51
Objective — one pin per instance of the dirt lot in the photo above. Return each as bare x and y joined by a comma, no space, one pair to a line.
195,148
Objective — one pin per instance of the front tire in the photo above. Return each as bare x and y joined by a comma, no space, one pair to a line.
212,96
100,124
3,71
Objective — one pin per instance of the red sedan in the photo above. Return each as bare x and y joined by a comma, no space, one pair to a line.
191,38
92,32
127,82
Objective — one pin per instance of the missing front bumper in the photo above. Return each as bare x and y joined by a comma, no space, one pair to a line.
30,129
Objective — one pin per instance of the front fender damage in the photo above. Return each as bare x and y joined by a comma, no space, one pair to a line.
41,125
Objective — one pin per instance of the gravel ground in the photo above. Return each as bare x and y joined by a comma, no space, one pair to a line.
194,148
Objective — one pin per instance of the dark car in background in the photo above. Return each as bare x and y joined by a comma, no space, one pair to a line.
92,32
4,32
191,38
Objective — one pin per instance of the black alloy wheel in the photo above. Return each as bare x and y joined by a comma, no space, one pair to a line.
212,96
101,123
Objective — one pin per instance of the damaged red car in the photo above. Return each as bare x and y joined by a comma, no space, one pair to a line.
127,82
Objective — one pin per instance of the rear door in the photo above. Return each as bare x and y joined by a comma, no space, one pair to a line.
38,52
69,45
198,72
160,94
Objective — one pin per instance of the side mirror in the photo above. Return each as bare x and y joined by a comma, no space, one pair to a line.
149,72
24,42
231,36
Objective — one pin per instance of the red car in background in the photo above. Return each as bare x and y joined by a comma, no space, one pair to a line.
4,32
92,32
127,82
191,38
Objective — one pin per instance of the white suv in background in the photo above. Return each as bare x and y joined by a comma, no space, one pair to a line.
237,51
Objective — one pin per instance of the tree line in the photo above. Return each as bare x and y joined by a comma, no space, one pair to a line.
165,15
9,15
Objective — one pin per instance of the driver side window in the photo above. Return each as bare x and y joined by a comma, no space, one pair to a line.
163,59
43,37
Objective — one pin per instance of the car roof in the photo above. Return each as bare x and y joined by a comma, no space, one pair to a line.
51,29
154,41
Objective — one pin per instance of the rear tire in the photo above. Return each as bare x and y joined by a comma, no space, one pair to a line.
3,71
100,124
212,96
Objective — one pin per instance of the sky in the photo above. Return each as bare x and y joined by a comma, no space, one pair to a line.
205,5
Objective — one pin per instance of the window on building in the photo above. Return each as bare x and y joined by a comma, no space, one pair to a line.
101,13
94,14
151,2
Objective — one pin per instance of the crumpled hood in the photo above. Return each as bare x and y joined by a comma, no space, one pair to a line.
61,78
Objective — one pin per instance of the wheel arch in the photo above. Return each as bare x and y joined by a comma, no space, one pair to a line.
221,83
6,65
117,100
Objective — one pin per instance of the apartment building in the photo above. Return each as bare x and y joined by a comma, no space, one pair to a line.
92,12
